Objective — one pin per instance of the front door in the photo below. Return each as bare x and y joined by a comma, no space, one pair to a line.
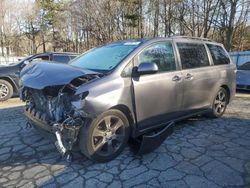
157,96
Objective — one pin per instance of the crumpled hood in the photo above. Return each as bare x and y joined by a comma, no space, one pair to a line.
43,74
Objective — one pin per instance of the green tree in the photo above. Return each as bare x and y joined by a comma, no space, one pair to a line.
50,14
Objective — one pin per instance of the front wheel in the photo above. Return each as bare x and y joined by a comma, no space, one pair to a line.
219,104
105,137
6,90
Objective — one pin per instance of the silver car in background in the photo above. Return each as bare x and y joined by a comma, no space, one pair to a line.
243,76
127,90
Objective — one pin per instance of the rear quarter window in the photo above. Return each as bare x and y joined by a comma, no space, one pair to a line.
219,55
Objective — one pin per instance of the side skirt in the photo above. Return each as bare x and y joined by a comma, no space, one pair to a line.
164,124
149,142
152,138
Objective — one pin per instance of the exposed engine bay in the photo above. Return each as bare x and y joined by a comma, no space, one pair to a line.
53,108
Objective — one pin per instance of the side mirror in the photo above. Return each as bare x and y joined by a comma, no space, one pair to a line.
147,68
26,62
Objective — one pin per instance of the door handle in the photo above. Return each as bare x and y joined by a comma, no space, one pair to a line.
189,76
176,78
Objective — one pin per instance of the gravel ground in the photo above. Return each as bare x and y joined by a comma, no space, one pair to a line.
200,153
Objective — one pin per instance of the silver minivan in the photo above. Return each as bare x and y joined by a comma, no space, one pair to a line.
127,90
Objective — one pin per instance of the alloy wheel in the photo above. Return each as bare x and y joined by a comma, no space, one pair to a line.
4,91
108,136
220,102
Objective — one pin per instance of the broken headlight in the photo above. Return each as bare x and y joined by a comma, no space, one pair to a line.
78,100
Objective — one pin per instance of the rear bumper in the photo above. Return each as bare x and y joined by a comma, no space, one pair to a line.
243,87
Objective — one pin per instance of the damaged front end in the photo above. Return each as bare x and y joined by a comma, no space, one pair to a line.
55,109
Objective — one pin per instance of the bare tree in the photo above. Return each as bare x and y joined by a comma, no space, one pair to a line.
62,25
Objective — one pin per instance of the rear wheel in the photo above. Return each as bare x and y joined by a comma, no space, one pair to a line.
219,104
105,137
6,90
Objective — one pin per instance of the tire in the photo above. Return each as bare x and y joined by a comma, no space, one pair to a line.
100,142
219,104
6,90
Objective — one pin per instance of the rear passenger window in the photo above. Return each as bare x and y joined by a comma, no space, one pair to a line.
161,54
193,55
219,55
61,58
72,57
245,66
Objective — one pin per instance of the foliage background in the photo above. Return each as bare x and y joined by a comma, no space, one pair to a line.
32,26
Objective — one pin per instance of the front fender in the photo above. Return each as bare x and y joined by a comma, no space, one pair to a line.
104,93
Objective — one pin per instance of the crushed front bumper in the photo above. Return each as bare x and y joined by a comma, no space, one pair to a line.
64,134
38,119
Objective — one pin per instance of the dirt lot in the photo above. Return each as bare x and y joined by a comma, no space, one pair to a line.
200,153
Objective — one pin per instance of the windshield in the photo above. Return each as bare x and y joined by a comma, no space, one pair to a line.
21,60
105,58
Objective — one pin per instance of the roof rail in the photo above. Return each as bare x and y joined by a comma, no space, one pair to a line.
194,38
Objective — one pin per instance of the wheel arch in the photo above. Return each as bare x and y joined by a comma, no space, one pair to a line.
228,91
127,112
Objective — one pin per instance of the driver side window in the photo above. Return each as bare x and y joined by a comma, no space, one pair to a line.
40,58
161,54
